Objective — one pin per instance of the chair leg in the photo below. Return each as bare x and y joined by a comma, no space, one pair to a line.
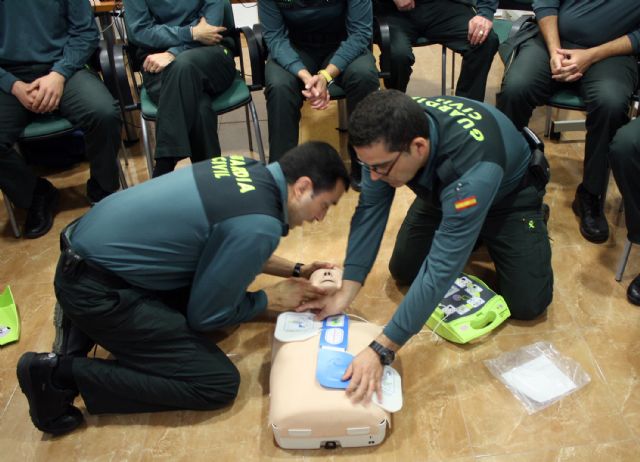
622,264
256,127
11,215
343,119
444,70
547,123
123,179
246,118
147,145
453,70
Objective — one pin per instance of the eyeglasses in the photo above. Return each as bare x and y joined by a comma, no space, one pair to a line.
379,169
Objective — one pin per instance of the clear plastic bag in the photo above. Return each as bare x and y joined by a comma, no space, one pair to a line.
538,375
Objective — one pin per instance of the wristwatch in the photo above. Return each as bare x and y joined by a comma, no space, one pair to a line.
386,355
297,270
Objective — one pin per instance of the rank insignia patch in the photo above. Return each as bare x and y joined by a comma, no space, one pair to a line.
465,203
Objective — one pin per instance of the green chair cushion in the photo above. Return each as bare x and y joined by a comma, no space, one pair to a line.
235,96
46,125
502,27
567,99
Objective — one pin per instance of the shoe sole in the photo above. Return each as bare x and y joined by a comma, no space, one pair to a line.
26,385
588,237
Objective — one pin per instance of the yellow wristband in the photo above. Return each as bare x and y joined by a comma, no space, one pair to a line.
326,75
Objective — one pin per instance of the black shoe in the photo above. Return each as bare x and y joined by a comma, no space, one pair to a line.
50,407
164,165
95,193
633,292
590,209
69,340
43,206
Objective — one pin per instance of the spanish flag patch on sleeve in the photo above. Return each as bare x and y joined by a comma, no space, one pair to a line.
465,203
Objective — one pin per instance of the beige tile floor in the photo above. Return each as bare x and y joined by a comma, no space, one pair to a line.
454,410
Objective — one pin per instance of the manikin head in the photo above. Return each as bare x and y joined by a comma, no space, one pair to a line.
327,278
390,133
316,179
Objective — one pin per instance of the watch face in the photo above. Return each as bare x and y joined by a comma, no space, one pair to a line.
387,357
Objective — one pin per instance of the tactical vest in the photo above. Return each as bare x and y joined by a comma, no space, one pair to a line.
234,186
467,134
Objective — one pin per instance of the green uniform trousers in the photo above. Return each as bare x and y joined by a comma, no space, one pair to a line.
284,93
86,103
624,156
606,88
516,237
186,125
160,363
440,21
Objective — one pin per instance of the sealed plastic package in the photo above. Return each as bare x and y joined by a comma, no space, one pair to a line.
538,375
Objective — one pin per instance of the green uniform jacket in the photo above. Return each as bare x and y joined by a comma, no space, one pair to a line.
57,32
490,156
330,19
211,226
166,24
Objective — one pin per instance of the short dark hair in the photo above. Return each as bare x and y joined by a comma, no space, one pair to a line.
317,160
390,117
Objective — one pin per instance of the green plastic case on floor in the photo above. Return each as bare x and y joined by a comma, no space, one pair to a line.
469,310
9,322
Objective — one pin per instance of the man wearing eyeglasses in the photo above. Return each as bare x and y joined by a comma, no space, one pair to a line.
471,172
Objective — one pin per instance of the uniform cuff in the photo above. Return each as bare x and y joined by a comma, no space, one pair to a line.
7,81
544,12
355,273
396,334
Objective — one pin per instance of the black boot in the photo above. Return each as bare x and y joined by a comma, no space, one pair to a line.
95,193
164,165
50,407
42,209
590,209
633,292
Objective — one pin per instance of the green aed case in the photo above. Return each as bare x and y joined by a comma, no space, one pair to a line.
9,322
469,310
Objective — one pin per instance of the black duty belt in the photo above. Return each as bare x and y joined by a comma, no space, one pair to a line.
75,266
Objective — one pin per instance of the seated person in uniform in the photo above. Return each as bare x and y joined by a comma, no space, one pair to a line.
145,273
588,46
456,24
44,47
186,62
469,168
313,44
624,157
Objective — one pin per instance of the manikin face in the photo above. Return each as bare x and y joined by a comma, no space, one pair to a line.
327,278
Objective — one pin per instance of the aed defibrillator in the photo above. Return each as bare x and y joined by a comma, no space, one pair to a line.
468,310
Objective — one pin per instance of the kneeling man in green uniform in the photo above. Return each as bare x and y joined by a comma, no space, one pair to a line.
470,170
148,270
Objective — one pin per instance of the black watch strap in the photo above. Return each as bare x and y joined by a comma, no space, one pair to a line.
297,270
387,356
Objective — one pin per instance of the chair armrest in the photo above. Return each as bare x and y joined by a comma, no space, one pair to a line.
256,59
382,37
518,23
